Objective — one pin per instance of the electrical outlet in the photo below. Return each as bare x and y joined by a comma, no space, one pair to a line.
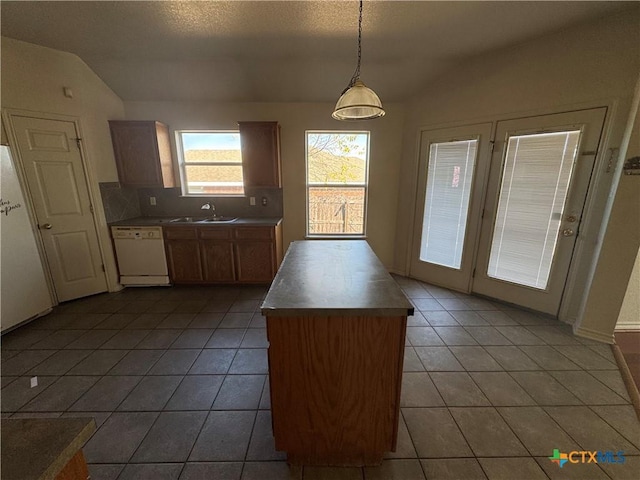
252,201
152,200
264,201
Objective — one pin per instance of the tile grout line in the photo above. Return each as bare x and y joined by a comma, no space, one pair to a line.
246,329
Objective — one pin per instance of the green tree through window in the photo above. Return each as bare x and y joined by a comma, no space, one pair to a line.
337,175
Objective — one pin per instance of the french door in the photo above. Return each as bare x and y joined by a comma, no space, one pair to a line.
526,229
452,173
540,174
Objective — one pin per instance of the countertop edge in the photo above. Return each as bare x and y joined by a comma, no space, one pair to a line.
68,453
40,448
336,312
163,222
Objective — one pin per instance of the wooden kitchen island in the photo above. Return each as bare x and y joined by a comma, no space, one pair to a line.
336,324
45,448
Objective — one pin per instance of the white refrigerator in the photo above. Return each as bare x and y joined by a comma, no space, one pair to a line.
24,293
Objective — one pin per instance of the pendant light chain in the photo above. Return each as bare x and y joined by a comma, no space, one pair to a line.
356,74
357,101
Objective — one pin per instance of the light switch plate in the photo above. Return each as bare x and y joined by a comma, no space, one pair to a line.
252,201
152,200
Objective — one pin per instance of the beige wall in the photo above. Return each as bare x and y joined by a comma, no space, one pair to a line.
33,78
593,64
620,242
629,318
295,118
588,65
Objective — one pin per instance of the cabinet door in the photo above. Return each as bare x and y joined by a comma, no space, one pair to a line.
184,260
260,153
217,259
143,153
255,261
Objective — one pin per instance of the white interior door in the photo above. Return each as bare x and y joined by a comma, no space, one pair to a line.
57,183
540,173
452,174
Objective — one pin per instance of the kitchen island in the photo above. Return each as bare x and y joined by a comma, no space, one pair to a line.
336,324
45,448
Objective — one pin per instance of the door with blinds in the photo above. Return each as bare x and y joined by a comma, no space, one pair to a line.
452,175
540,173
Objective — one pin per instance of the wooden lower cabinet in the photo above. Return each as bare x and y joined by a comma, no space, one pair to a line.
184,261
256,253
244,254
255,261
217,257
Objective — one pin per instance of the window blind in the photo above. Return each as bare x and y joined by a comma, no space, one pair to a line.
535,183
449,180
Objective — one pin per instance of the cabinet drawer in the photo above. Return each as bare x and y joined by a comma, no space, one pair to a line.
215,233
254,233
180,233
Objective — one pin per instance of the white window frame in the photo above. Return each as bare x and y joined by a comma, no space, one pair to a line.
364,185
182,163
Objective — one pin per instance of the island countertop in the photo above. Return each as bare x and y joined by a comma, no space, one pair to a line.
334,277
40,448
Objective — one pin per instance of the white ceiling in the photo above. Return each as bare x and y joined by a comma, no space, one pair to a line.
281,51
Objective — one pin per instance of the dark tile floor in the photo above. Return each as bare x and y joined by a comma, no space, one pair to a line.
176,379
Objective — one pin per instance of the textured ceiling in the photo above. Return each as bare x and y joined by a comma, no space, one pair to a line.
268,51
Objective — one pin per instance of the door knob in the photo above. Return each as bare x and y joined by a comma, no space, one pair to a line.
567,232
46,226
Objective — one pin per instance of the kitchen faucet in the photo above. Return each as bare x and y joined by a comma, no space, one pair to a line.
209,206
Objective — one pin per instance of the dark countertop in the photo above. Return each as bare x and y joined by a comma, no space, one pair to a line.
169,221
39,448
334,277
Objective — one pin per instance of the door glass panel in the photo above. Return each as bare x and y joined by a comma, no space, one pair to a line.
449,179
535,182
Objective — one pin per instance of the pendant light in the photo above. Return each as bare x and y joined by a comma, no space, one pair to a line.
358,102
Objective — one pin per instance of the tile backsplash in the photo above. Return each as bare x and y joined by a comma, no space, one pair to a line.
120,203
169,202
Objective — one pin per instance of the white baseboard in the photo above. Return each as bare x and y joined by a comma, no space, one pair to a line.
628,327
593,334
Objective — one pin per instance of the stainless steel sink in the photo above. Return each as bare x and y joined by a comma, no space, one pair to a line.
215,219
218,219
187,219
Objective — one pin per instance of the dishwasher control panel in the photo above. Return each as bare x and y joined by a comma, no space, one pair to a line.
136,233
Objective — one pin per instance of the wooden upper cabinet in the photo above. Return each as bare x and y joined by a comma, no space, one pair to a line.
260,154
143,153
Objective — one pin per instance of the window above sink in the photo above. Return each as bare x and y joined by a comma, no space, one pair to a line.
210,162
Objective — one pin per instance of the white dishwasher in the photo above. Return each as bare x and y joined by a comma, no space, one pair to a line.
140,254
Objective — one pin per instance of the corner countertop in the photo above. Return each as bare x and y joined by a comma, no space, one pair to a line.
39,448
171,221
334,277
